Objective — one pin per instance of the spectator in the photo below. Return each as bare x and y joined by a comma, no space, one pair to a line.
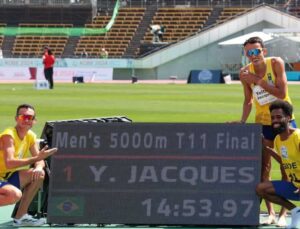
48,61
19,151
161,33
84,54
155,31
104,53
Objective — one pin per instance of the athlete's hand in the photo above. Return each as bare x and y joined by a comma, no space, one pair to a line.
249,78
37,173
45,152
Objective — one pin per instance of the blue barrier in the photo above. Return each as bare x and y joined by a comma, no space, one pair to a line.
293,76
205,76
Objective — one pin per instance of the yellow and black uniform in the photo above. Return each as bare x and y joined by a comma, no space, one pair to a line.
22,147
262,98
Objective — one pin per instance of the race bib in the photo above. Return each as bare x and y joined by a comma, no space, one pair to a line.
262,96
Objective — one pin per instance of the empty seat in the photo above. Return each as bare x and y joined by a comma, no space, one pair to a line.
34,45
116,40
179,22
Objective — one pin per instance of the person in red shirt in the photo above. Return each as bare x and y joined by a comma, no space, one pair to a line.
48,61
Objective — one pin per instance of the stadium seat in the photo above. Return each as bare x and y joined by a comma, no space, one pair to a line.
229,13
295,11
33,45
116,40
179,22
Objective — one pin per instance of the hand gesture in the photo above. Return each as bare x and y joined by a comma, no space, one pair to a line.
45,152
249,78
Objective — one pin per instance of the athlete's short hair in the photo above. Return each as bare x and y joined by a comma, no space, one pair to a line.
286,107
26,106
253,40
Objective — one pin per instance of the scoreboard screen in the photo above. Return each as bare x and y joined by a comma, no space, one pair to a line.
155,173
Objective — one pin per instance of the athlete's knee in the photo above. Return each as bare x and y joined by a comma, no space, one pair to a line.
17,195
12,196
260,190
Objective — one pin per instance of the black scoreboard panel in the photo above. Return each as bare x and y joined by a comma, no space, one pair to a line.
155,173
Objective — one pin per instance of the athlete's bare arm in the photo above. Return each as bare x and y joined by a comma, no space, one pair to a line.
279,90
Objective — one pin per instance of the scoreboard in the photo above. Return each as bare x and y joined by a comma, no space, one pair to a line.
155,173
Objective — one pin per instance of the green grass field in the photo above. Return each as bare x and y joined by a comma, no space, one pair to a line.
211,103
201,103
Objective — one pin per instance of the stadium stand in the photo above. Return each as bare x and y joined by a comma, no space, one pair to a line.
179,22
33,45
2,25
18,14
1,40
130,31
295,11
116,40
231,12
77,15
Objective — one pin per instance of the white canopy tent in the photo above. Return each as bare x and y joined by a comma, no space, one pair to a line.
232,56
241,39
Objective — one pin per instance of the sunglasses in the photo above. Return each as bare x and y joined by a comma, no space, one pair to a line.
254,52
26,117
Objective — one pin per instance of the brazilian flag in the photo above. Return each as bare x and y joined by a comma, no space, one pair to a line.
67,206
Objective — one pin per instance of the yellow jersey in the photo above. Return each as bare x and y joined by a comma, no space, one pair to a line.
262,98
289,151
22,147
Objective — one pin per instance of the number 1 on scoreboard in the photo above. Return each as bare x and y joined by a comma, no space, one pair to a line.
68,171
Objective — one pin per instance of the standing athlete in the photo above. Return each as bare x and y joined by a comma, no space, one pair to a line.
264,81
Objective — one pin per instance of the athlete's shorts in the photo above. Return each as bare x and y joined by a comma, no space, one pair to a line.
13,180
268,131
286,189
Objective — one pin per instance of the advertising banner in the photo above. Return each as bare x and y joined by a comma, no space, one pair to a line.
60,74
